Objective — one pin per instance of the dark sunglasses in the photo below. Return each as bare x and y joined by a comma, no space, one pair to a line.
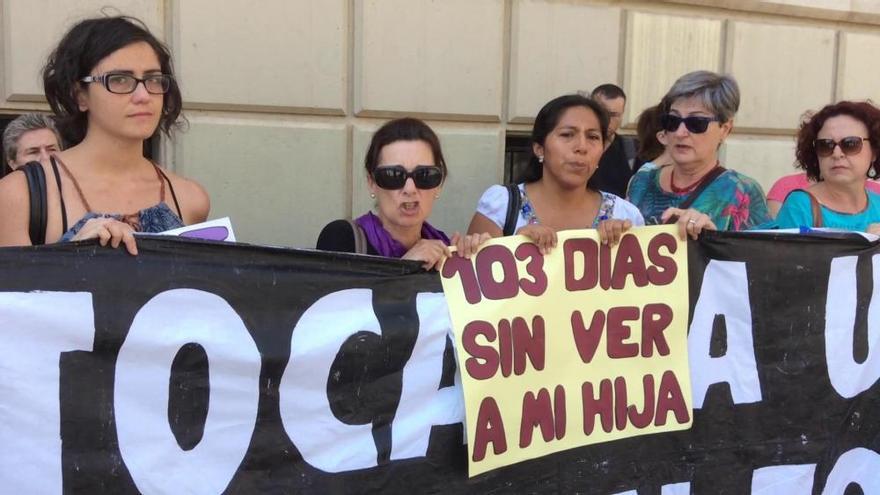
395,176
850,145
695,124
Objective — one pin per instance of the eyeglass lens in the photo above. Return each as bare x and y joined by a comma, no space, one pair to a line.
125,83
395,176
695,124
849,145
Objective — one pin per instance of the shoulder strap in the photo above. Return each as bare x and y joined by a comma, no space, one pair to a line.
36,180
815,209
60,195
170,188
629,151
360,239
708,179
704,183
514,201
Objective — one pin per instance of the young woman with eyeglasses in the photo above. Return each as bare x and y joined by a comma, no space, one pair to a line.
555,192
838,148
111,85
695,191
405,173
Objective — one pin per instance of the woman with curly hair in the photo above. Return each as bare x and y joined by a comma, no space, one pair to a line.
838,148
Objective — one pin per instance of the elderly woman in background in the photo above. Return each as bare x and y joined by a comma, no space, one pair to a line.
31,137
695,191
405,172
838,148
555,192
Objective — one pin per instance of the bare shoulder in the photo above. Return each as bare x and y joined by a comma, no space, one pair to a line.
195,204
15,205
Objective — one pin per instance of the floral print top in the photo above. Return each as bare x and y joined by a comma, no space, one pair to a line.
606,209
733,201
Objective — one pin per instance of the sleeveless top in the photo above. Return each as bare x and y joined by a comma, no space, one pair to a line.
156,218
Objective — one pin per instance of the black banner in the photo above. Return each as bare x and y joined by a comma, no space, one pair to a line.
201,367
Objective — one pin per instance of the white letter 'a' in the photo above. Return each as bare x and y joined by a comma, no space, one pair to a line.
725,292
36,328
166,323
848,377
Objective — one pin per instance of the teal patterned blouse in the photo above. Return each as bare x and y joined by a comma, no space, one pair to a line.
733,201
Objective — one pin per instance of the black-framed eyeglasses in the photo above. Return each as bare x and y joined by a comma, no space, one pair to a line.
395,176
123,84
695,123
850,145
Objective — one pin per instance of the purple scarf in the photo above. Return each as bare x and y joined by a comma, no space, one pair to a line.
386,245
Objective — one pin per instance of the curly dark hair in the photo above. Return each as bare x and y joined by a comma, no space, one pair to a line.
405,129
80,50
863,111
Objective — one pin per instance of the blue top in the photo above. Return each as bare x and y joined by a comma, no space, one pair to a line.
796,212
733,201
158,218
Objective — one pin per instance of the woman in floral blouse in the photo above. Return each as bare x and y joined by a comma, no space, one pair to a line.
695,191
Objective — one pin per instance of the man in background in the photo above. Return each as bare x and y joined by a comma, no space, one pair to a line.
31,137
618,162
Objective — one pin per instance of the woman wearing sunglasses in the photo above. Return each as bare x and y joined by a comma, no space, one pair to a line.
555,193
111,86
838,148
695,191
405,172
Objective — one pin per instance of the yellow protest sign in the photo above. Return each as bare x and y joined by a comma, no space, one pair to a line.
583,345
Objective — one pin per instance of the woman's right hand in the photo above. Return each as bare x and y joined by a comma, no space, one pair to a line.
544,237
108,230
429,251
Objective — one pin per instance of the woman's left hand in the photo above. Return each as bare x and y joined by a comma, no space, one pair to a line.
690,222
611,230
874,228
467,245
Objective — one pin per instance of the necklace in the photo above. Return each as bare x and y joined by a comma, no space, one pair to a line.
690,187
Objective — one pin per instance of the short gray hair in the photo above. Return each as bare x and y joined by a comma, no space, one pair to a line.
25,123
718,92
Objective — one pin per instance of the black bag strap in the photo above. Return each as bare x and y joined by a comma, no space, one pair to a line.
360,238
514,201
36,181
704,183
60,196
